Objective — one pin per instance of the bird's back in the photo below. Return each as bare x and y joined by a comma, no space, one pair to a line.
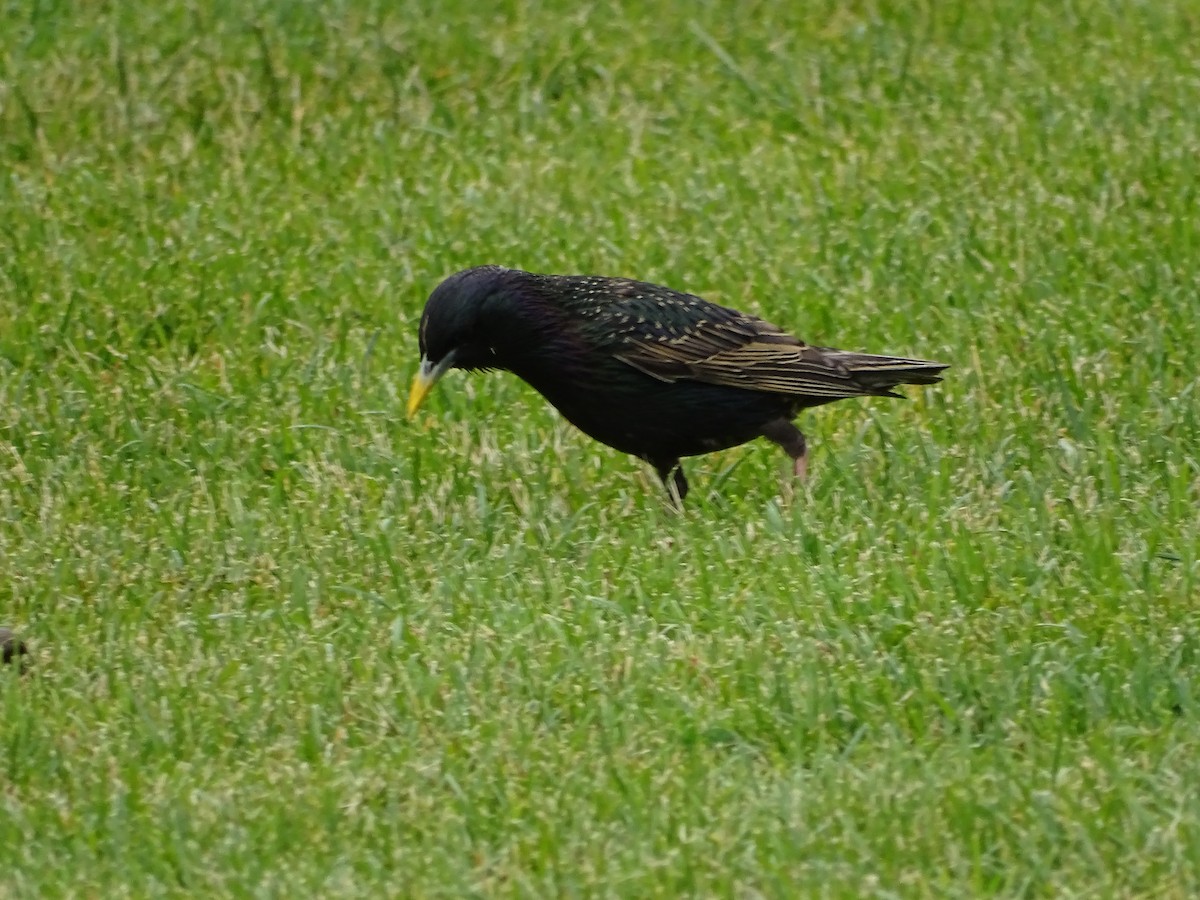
676,337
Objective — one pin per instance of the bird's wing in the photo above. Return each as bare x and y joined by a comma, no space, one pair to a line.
672,337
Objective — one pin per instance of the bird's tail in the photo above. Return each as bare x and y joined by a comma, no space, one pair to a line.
879,374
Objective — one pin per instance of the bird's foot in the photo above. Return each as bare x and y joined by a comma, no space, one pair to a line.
799,479
800,468
674,481
791,439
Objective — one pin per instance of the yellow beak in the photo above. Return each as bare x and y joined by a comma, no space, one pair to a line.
427,376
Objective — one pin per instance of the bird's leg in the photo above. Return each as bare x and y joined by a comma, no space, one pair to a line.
680,483
791,439
673,479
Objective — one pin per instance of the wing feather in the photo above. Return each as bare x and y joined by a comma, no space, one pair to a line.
743,352
673,336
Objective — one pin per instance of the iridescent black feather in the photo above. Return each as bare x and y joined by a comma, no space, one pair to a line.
645,369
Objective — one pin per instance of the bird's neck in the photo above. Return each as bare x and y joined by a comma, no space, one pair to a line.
534,339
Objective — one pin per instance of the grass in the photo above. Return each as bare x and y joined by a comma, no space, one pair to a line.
287,643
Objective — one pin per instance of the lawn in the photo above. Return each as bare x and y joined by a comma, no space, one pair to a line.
286,642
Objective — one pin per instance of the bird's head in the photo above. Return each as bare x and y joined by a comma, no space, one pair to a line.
455,330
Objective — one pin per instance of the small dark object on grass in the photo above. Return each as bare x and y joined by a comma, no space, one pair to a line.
645,369
11,647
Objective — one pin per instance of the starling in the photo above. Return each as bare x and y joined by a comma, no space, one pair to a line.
648,370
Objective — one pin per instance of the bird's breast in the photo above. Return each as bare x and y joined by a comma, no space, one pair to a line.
644,416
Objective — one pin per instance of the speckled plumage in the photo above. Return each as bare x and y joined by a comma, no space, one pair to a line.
645,369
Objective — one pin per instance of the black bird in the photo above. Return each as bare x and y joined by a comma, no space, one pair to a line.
645,369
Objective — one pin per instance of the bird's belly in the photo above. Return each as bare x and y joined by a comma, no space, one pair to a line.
661,420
